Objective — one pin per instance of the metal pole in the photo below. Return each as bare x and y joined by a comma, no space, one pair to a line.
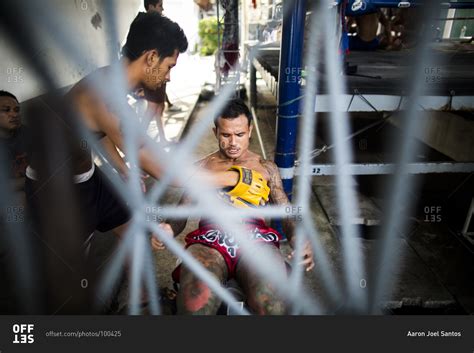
219,50
468,218
291,55
253,83
259,135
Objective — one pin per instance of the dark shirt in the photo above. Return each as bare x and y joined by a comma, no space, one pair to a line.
56,139
17,148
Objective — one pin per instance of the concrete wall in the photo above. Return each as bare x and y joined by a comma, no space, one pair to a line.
185,13
448,133
83,23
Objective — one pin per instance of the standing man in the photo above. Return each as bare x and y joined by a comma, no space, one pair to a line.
148,57
151,51
156,99
154,5
217,250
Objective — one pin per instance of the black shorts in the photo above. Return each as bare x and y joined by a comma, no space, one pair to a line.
99,205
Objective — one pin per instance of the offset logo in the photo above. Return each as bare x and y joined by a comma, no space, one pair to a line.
23,333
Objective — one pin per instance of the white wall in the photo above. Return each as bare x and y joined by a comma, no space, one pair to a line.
72,19
185,13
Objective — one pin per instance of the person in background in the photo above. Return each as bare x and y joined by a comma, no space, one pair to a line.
14,137
156,99
367,38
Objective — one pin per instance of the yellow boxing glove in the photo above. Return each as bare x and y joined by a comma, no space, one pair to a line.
250,191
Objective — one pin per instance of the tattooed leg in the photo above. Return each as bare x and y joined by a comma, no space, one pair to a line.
195,296
262,297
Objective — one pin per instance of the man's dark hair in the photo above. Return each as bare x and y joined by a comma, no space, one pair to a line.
151,2
8,94
150,31
233,109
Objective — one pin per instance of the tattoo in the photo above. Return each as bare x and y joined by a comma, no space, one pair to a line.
278,195
262,297
178,225
267,302
195,297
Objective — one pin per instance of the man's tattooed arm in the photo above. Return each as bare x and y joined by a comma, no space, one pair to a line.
178,225
278,195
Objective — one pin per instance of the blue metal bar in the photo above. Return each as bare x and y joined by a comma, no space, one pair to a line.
291,57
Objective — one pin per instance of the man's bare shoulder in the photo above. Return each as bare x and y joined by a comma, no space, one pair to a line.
255,158
90,85
269,166
84,93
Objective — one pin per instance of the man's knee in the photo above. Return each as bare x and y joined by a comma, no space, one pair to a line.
262,297
195,297
264,301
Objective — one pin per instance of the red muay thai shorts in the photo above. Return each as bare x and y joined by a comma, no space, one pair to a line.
211,235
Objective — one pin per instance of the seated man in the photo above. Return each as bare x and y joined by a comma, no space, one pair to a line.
14,151
14,137
215,249
366,37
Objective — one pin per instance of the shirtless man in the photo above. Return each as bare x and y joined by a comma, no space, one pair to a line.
152,49
367,38
233,130
68,197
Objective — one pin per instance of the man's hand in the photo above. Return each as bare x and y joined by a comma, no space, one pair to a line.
307,254
155,243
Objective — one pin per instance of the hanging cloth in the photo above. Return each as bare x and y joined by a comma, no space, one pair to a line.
230,37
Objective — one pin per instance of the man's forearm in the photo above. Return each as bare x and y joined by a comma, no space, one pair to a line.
221,179
148,163
279,197
288,228
114,157
218,179
178,225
